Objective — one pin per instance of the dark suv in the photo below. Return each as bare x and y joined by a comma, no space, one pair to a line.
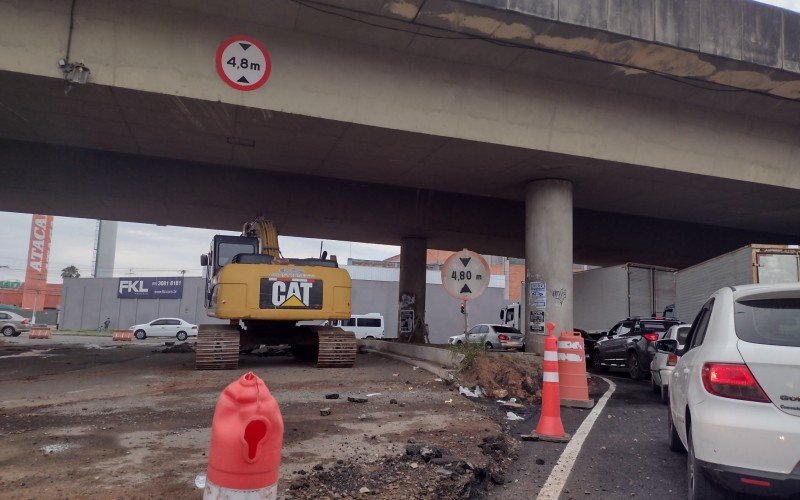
630,343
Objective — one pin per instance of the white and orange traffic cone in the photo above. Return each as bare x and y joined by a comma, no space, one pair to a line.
573,386
246,440
550,427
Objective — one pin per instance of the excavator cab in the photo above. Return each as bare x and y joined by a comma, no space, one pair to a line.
223,250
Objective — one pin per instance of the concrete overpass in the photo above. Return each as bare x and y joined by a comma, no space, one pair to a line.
675,122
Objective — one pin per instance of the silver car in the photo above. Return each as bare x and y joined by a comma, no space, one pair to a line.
499,337
12,324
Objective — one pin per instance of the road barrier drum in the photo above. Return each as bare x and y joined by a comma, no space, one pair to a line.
246,439
573,385
40,332
124,335
550,427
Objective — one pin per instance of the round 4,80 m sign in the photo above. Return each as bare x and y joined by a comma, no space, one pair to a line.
243,62
465,275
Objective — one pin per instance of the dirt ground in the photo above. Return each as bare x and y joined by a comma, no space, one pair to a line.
85,417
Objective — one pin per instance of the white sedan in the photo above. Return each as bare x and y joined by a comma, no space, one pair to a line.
165,327
665,359
734,396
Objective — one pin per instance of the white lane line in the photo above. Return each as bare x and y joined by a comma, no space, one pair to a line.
558,476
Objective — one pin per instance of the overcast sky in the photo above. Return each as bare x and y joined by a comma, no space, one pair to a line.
144,249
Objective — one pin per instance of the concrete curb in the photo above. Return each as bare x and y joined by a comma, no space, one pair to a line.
438,361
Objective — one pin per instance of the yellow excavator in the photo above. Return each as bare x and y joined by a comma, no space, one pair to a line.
264,296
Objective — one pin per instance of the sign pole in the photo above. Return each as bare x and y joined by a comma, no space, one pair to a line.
466,321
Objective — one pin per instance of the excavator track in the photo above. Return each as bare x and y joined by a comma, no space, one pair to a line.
337,348
217,347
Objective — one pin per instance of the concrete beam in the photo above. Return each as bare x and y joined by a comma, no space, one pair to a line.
112,186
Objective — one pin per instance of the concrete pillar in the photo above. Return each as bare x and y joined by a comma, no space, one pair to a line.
411,320
548,259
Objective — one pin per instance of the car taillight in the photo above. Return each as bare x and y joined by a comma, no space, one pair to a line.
651,336
732,381
502,337
194,328
24,321
672,360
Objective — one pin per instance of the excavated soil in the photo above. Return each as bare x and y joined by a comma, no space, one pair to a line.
506,375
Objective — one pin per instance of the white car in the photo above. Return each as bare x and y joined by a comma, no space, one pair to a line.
165,327
492,337
365,326
664,360
734,396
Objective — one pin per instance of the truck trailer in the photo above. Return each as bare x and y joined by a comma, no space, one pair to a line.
754,263
604,296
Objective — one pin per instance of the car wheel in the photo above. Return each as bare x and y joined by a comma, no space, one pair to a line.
489,346
459,342
634,368
140,334
8,331
665,394
369,337
700,486
181,336
674,440
597,362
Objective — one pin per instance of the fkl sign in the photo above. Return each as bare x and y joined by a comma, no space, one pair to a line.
150,288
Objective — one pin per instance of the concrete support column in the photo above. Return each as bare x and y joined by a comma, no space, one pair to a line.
548,259
413,260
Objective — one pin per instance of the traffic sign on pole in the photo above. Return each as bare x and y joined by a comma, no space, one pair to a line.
465,275
243,62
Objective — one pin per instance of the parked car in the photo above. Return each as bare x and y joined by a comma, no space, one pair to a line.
12,324
165,327
665,359
630,344
365,326
734,398
492,336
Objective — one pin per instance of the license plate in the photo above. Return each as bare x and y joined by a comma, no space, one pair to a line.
513,344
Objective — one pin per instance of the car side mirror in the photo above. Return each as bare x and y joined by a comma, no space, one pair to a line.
204,260
668,346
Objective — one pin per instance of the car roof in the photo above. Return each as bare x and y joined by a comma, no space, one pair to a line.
741,291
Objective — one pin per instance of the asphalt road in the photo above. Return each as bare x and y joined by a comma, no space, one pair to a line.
625,455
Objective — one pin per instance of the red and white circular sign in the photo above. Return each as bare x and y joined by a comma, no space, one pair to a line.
243,62
465,275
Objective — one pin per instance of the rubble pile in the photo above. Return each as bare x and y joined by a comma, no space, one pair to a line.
506,375
424,471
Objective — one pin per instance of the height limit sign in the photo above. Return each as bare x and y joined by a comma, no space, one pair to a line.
243,62
465,275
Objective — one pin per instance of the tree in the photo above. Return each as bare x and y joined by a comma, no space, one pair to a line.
70,272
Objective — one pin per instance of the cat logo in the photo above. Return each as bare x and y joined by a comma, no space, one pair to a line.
290,293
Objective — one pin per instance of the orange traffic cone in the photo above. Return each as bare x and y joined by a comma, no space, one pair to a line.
550,427
246,439
573,386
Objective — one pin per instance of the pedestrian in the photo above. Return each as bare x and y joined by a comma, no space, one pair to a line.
106,323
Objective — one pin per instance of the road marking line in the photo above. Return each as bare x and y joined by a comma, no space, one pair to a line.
558,476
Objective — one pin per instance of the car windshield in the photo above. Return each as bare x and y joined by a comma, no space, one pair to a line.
768,321
656,326
682,333
505,329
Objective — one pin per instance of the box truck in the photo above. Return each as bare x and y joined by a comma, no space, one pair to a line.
604,296
755,263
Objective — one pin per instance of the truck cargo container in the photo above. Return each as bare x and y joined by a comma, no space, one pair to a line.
755,263
604,296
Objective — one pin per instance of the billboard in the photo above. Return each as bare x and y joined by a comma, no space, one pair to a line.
150,288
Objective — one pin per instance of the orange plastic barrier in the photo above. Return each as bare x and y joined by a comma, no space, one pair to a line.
573,386
550,427
40,332
125,335
246,440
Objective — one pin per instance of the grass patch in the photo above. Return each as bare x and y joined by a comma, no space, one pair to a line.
466,354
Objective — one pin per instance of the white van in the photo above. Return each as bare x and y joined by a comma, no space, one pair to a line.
365,326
